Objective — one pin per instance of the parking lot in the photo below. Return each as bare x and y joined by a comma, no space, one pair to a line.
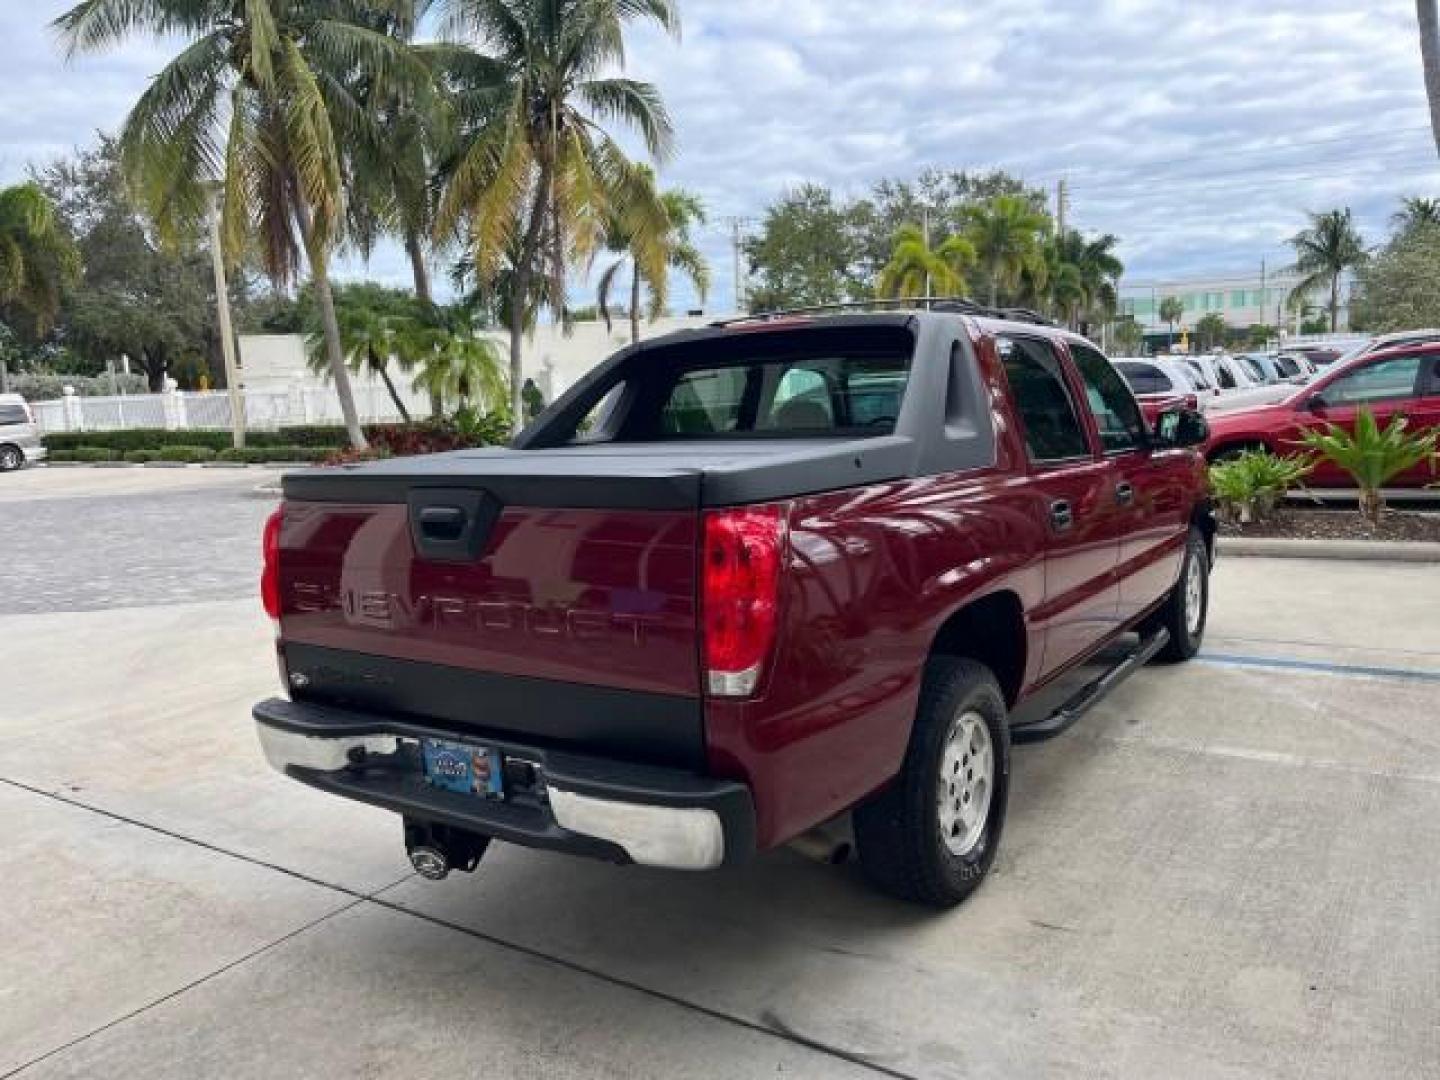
1229,869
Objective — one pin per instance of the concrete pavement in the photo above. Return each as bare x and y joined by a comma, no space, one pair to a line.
1226,870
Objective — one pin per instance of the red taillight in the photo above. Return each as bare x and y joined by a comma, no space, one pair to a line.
744,552
270,575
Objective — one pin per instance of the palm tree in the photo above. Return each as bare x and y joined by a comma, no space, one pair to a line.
1084,275
1172,310
915,269
37,258
460,365
537,184
1323,253
371,340
1006,232
1427,12
1417,213
258,106
652,258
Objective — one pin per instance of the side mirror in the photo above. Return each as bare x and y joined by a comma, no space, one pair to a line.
1315,403
1181,427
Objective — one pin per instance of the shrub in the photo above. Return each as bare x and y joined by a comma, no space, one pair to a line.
185,453
1248,486
52,387
1373,456
87,453
139,457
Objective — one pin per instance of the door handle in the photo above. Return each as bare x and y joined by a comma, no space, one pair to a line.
1124,493
1061,516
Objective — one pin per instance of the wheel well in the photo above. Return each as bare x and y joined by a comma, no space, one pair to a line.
991,630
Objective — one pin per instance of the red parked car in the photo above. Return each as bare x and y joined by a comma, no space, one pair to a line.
734,584
1401,381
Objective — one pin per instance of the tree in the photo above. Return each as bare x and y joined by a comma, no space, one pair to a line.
652,258
377,327
1082,275
1128,335
916,269
807,251
1324,252
537,183
1427,13
1396,289
1210,331
1006,232
135,297
257,108
1260,335
1172,310
460,365
1416,213
37,259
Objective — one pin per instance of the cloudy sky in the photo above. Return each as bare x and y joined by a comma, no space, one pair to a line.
1196,132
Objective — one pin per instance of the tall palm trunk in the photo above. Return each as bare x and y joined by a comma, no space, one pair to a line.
1334,301
520,295
634,301
325,298
1428,13
994,286
421,272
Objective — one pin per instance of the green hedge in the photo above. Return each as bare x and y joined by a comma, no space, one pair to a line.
260,455
152,439
86,453
185,453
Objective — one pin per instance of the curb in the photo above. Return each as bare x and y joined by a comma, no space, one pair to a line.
1267,547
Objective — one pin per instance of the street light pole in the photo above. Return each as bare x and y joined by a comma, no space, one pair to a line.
227,335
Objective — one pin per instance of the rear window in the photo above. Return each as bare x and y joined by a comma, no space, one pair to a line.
13,413
794,383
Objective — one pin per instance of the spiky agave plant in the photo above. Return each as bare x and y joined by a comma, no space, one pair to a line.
1373,455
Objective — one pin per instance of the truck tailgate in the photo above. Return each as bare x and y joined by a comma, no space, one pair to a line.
576,625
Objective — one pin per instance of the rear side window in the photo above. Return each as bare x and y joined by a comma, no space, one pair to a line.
11,413
1047,412
1287,366
813,383
1385,380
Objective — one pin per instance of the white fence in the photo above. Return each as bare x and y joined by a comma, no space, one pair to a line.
265,410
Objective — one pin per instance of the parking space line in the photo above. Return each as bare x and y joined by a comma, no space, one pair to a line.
786,1035
1320,666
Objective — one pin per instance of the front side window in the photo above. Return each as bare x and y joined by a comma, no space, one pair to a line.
1121,424
1386,380
1047,412
13,414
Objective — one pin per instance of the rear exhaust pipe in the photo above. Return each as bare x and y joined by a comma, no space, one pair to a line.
830,843
435,849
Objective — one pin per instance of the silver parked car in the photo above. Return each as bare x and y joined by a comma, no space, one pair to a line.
19,434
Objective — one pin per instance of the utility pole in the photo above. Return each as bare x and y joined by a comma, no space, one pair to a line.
227,336
737,226
1262,298
1062,198
925,236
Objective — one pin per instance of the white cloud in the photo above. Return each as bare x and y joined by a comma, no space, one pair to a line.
1170,118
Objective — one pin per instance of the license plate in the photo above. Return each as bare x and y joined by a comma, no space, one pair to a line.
469,769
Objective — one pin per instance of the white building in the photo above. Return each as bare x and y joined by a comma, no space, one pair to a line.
1241,299
554,359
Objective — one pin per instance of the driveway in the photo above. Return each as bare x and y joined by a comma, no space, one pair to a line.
1226,870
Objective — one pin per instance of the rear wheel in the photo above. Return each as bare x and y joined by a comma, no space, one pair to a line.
931,836
10,458
1188,605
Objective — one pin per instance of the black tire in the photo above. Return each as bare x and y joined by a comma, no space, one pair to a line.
898,833
1186,633
11,458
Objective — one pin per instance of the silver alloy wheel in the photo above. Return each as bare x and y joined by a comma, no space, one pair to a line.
967,777
1194,596
9,458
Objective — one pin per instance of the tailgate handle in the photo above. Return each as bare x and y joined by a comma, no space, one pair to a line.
451,524
442,522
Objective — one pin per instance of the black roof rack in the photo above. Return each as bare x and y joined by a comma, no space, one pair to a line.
962,305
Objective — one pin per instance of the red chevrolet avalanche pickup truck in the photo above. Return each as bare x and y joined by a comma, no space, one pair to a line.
736,585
